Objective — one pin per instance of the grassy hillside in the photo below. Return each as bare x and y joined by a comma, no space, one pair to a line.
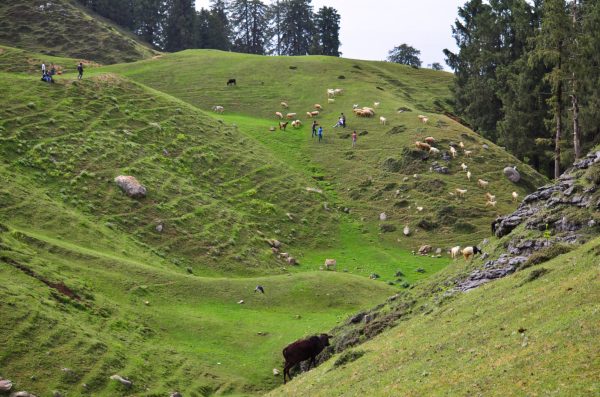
63,28
534,333
379,175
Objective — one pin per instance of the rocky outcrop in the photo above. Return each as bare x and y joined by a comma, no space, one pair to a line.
131,186
564,212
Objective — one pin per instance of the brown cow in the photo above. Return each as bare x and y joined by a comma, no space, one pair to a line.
302,350
283,126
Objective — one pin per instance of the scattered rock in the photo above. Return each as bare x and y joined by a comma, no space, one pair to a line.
275,372
374,276
22,394
131,186
57,394
406,231
241,302
290,216
274,243
420,270
160,227
436,167
124,381
512,174
357,318
176,394
485,146
438,251
363,133
382,216
5,385
314,190
425,249
368,318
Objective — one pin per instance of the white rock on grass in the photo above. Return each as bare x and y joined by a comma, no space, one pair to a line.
382,216
5,385
131,186
124,381
275,371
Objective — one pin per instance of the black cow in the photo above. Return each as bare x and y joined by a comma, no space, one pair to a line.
302,350
231,82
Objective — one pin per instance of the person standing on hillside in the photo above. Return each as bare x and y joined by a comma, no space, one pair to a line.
80,70
343,119
314,128
43,69
354,139
320,134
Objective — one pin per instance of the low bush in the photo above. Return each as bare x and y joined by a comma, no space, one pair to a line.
546,254
348,357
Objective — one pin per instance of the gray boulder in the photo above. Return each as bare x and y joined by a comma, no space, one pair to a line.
131,186
512,174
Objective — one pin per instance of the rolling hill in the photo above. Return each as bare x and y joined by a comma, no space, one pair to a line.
98,283
63,28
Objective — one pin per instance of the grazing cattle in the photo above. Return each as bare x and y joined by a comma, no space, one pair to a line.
290,116
469,175
482,184
284,105
231,82
302,350
259,288
283,126
453,152
471,252
382,120
515,196
318,106
422,146
429,140
218,109
315,113
296,123
279,114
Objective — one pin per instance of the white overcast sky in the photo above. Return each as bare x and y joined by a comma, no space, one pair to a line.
369,29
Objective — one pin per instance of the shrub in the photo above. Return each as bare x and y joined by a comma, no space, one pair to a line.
447,215
348,356
387,228
391,165
427,224
401,204
535,274
464,227
544,255
341,77
593,175
397,129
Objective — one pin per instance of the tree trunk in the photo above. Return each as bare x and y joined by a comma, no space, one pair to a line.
559,106
576,129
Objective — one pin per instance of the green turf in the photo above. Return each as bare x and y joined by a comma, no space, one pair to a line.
64,28
221,185
519,336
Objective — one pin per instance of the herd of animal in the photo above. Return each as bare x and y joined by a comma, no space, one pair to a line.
428,146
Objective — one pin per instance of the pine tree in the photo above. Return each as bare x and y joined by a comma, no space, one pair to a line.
297,27
405,55
219,26
327,32
179,28
149,18
250,20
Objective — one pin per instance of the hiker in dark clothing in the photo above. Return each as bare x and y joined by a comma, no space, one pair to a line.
343,119
80,70
314,128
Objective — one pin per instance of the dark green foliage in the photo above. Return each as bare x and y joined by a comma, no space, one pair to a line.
593,174
179,26
327,32
437,66
545,255
427,224
249,21
464,227
387,228
406,55
535,274
348,356
391,165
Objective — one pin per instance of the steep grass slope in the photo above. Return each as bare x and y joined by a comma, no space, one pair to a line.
63,28
534,333
385,172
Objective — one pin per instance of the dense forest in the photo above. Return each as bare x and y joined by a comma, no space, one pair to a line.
527,76
286,27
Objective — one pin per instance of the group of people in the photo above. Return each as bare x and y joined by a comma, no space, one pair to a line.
318,132
47,74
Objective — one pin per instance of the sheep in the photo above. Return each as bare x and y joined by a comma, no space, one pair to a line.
309,115
482,184
430,140
296,123
420,209
423,146
218,109
468,153
355,106
338,91
283,126
318,107
453,152
490,203
515,196
461,144
376,104
454,252
490,197
315,113
279,114
382,120
425,120
464,167
434,151
469,252
331,100
330,93
330,264
421,117
290,116
284,105
469,175
460,192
